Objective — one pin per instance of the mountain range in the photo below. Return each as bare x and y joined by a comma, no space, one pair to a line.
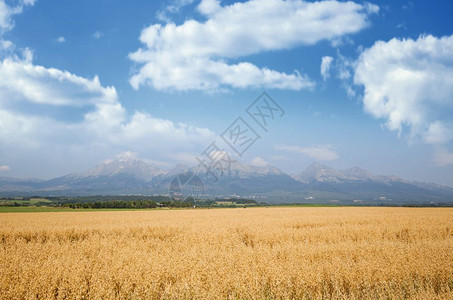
316,184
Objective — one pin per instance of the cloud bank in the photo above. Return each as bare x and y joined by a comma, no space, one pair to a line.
196,55
106,121
51,114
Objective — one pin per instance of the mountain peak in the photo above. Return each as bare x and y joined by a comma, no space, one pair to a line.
124,165
319,172
236,168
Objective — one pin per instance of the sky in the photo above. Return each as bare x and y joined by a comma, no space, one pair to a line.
366,84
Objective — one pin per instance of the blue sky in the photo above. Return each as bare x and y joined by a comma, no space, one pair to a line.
366,84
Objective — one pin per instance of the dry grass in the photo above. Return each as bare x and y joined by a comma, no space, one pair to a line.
258,253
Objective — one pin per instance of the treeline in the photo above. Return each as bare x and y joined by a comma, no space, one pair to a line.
141,204
16,198
23,201
237,200
129,202
108,198
125,201
4,202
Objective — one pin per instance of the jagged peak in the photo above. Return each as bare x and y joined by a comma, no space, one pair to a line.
124,165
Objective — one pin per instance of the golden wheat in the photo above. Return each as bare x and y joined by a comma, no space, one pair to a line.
272,253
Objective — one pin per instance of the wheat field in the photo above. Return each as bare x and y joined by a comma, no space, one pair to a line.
253,253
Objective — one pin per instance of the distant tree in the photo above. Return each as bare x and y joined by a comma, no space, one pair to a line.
190,200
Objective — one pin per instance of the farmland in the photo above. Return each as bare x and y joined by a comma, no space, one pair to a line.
253,253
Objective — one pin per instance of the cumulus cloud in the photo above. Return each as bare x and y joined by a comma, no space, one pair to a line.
61,39
21,80
103,124
409,84
207,7
49,115
4,168
326,61
320,152
194,55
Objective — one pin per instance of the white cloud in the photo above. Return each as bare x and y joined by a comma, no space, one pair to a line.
343,69
208,7
341,41
194,55
6,22
6,12
325,66
443,158
205,74
5,45
176,5
4,168
173,8
61,39
371,8
438,133
259,162
48,115
320,152
103,125
21,80
409,84
162,15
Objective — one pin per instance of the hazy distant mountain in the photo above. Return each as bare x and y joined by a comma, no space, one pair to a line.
8,184
318,183
237,169
233,179
134,167
120,176
320,173
358,185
